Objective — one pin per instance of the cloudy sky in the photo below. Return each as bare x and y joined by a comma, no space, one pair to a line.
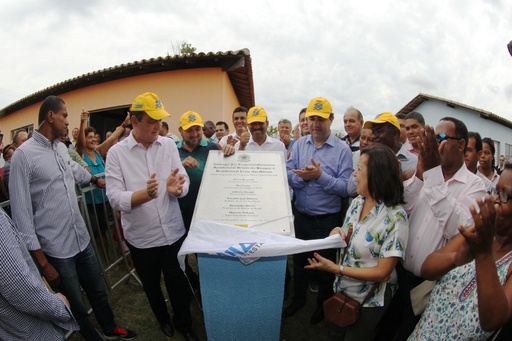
374,55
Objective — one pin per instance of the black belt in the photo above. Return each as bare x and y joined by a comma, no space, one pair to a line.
319,216
413,279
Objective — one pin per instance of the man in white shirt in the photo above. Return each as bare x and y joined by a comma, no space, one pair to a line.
240,123
145,178
258,138
437,199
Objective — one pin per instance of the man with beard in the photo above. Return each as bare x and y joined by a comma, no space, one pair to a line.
193,151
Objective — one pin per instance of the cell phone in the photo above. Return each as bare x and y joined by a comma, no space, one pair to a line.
1,138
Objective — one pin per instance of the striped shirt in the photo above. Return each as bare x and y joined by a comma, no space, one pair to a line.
43,200
28,311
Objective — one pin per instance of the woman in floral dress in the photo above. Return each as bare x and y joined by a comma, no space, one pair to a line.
377,243
473,298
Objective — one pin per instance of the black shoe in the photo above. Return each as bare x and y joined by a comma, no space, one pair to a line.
317,316
167,329
190,336
291,310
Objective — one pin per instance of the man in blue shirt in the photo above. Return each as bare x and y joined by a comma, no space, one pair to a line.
318,170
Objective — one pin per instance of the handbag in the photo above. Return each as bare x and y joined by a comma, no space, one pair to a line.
341,309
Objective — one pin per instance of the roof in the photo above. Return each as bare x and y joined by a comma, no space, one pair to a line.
420,98
237,64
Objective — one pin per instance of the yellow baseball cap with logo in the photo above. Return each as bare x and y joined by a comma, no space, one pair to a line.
385,117
190,119
319,106
256,114
151,104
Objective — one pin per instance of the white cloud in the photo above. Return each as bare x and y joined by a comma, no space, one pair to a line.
374,55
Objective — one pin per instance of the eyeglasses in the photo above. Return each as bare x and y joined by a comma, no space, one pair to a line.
504,198
443,137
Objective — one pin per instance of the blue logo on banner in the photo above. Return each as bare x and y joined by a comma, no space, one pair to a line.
240,250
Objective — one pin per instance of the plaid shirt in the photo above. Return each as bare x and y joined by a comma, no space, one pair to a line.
28,311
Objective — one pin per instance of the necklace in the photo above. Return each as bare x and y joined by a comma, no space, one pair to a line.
91,155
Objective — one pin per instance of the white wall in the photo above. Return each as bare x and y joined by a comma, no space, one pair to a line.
433,110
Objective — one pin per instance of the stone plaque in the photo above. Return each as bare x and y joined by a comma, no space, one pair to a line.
248,189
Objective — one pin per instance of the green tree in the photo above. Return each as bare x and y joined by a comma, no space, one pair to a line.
339,134
187,48
272,131
181,48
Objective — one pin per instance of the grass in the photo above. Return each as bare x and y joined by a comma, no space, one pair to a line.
132,311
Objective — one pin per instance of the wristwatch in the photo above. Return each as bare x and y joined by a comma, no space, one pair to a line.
342,268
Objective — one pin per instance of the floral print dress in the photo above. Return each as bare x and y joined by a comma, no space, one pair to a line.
381,233
452,310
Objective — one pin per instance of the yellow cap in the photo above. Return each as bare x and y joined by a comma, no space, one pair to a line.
190,119
256,114
385,117
151,104
319,106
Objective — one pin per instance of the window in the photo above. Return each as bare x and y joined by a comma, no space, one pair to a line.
497,151
28,129
508,151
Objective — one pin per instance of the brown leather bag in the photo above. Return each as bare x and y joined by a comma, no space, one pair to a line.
341,309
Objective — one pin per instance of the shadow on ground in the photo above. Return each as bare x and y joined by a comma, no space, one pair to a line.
132,311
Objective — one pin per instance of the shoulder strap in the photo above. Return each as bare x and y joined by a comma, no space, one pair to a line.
349,235
370,293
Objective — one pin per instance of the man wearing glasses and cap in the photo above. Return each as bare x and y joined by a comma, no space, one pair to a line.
145,178
437,199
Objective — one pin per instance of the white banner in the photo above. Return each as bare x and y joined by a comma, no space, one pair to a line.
247,244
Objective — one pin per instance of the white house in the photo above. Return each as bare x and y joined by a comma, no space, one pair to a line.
484,122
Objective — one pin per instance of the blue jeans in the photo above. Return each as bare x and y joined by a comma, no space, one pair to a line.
83,271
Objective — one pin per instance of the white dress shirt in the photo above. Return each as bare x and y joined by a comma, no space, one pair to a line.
224,140
436,207
270,144
157,222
